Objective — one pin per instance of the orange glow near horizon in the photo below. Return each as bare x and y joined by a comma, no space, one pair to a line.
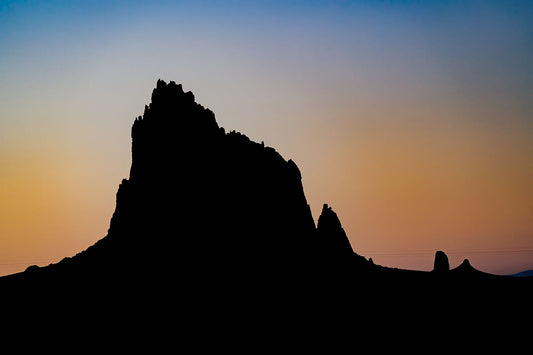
45,213
416,189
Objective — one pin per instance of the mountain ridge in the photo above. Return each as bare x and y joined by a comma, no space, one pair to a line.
210,225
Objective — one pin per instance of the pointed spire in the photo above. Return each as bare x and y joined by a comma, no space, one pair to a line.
330,231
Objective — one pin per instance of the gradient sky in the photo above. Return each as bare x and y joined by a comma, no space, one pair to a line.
413,120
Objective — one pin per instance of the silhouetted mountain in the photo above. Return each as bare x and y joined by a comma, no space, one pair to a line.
203,208
211,227
199,197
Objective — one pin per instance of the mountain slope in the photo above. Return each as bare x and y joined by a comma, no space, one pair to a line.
211,226
201,206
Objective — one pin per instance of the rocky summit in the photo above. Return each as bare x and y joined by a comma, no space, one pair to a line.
211,228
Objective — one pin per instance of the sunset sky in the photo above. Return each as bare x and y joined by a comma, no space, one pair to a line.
412,119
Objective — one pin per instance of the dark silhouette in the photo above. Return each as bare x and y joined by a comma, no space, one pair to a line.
441,262
214,229
332,236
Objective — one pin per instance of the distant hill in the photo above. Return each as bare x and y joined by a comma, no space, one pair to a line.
526,273
211,228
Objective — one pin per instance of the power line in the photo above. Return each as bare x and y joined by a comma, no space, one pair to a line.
421,252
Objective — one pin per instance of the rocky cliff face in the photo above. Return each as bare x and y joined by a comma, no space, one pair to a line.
206,201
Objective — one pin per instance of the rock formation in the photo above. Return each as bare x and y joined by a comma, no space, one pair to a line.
208,206
331,235
467,268
201,208
212,227
441,263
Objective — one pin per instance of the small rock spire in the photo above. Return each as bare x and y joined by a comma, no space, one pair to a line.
441,262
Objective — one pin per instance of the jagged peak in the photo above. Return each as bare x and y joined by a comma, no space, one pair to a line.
171,108
171,86
329,228
170,95
174,121
328,216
